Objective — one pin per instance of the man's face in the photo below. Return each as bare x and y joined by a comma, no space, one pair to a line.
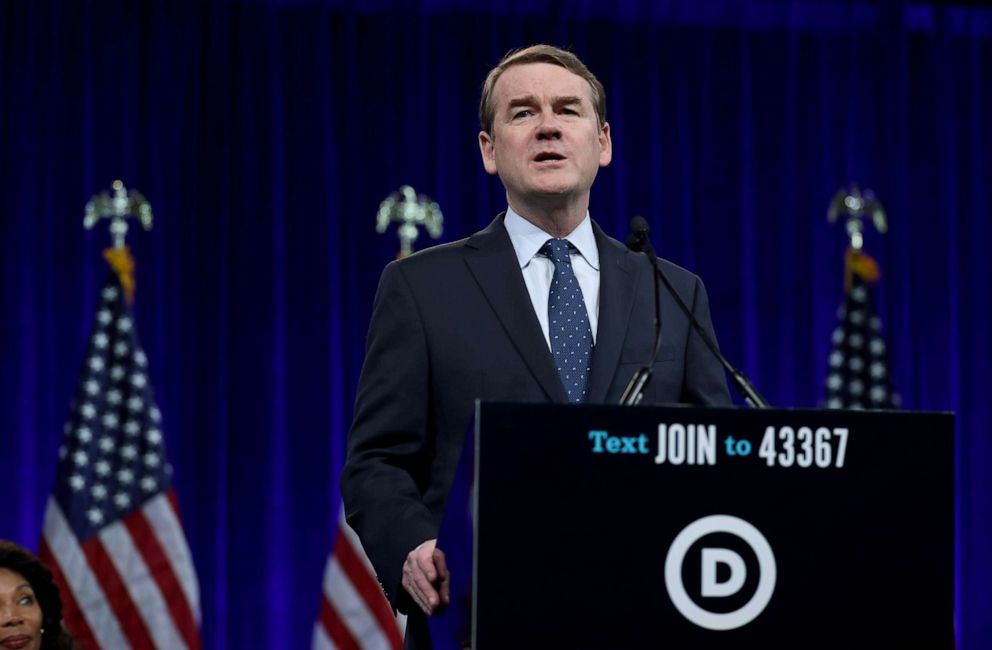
546,143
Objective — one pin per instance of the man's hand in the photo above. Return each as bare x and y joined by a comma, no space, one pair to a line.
426,578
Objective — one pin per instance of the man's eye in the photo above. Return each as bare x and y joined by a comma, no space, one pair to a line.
569,111
523,113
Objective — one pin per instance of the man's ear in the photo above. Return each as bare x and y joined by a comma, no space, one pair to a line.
488,151
605,145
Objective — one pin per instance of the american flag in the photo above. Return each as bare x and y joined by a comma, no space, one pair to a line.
112,534
858,375
354,613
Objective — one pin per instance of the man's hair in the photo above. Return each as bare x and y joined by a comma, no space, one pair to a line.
539,54
20,560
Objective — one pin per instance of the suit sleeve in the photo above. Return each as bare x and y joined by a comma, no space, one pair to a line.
705,380
388,463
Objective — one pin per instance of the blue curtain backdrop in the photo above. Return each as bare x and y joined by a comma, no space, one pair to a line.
266,133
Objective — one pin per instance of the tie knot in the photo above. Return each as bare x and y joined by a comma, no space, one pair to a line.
557,250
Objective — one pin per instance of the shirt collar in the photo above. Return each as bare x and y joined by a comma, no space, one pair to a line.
527,239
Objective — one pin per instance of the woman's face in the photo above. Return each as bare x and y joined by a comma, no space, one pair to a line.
20,613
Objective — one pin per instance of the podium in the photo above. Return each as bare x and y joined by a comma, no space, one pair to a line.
609,528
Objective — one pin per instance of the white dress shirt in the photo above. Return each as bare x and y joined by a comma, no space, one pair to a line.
539,270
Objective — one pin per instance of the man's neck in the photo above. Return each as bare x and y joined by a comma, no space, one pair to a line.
558,222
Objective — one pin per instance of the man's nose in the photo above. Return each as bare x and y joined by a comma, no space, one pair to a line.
550,127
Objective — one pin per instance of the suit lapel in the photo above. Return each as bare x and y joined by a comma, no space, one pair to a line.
617,287
494,265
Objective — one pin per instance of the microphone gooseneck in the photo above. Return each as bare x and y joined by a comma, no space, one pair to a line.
639,241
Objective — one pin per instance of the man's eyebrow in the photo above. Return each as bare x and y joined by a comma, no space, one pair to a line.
531,100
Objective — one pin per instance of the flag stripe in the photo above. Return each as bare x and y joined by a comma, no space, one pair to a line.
140,584
162,513
338,633
320,639
80,580
161,570
74,621
354,610
367,587
117,594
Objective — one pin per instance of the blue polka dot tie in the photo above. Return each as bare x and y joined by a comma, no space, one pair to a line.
568,322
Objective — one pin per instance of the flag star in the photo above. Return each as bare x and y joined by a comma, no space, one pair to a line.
836,359
168,467
96,364
897,399
877,346
80,458
124,324
154,436
132,428
834,382
155,414
140,358
856,387
106,444
94,515
875,323
99,492
88,411
138,380
109,293
877,370
125,476
128,452
104,316
878,394
834,403
76,482
859,294
120,348
838,336
152,460
117,372
84,434
856,364
100,340
102,467
114,397
62,452
135,403
122,500
148,484
92,387
110,420
857,317
856,340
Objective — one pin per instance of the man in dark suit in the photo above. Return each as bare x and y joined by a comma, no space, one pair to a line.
541,306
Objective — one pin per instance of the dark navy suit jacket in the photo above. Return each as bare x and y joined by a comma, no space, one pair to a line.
454,323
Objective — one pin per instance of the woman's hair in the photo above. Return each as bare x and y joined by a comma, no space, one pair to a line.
22,561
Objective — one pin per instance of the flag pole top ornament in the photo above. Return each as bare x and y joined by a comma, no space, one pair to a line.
118,208
409,210
857,205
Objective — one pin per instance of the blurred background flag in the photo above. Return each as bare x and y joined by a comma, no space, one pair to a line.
112,534
354,613
858,374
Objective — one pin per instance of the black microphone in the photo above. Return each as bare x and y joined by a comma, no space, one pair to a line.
638,241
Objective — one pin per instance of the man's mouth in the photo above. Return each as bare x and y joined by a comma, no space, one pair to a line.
548,156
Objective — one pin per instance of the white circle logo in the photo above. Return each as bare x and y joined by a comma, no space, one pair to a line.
708,583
